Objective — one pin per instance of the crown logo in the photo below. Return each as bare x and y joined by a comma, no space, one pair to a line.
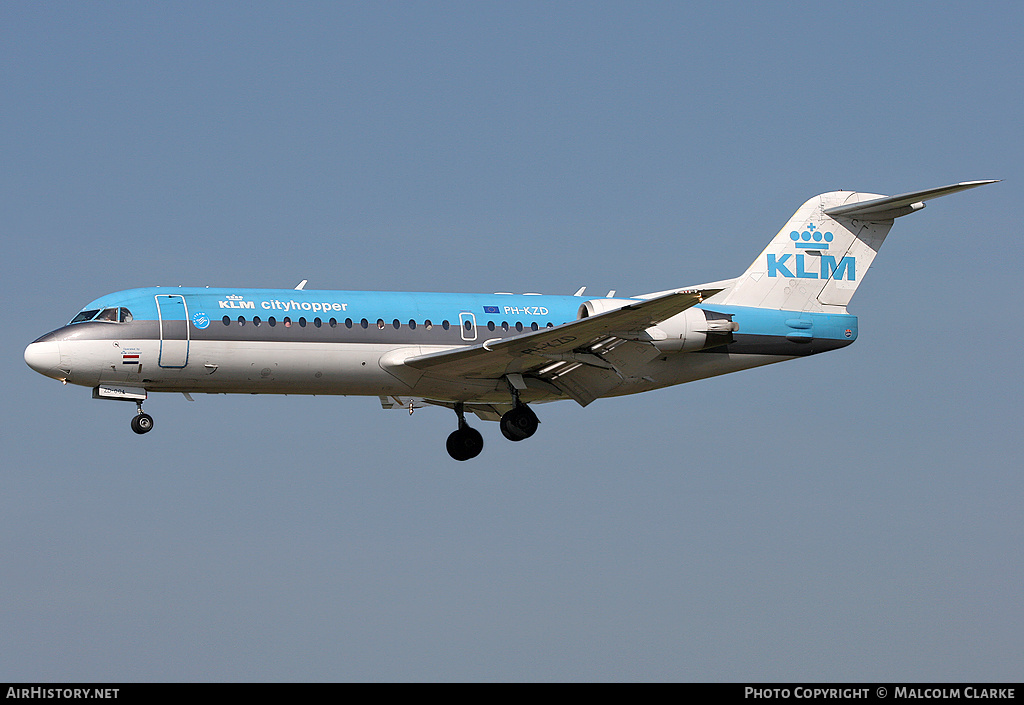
811,238
234,297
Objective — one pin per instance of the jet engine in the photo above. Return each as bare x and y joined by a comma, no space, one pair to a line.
692,329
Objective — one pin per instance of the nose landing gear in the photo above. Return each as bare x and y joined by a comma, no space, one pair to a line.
141,422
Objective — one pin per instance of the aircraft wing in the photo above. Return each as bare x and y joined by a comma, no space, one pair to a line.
603,345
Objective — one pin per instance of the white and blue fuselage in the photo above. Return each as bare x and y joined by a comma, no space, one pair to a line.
490,354
284,341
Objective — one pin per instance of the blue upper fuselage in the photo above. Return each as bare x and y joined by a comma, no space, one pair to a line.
371,305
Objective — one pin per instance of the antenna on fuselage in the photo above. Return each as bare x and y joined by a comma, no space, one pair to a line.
301,284
579,292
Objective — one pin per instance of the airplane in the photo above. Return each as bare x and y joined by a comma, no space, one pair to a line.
493,355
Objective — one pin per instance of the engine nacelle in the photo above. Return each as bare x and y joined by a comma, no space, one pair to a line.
692,329
596,306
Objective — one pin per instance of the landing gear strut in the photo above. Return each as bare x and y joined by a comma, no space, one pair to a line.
141,423
466,442
519,422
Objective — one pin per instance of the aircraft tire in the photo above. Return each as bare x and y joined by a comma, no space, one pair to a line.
465,443
142,423
519,423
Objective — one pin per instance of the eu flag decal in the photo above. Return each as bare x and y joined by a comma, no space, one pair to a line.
491,309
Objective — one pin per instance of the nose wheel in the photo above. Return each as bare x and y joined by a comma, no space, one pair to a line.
142,422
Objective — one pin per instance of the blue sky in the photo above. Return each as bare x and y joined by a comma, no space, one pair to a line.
854,516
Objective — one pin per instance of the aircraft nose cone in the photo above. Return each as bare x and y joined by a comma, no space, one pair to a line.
44,358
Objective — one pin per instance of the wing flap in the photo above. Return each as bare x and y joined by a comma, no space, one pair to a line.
585,384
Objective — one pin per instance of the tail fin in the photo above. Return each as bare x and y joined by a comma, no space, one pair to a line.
820,257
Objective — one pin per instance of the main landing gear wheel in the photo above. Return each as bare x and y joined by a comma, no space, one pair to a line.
519,423
465,442
142,423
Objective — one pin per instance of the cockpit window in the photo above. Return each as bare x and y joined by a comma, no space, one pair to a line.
85,315
111,315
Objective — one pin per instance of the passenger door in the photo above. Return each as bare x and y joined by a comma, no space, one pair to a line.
174,333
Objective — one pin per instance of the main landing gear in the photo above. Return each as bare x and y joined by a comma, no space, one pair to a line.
465,442
141,422
517,424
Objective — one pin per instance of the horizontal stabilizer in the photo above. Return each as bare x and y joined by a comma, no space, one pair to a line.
892,207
